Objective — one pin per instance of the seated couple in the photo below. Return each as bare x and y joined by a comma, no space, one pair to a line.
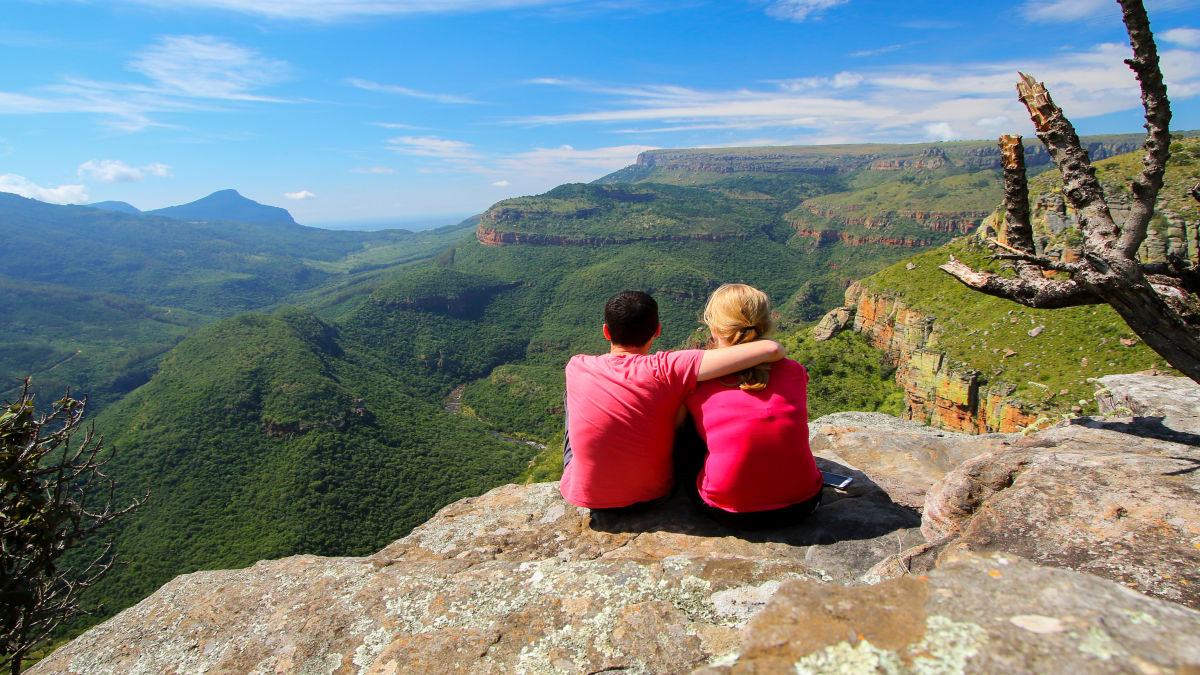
749,404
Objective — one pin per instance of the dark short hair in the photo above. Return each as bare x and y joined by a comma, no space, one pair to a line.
631,317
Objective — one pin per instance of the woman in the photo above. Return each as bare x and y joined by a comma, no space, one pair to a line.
759,471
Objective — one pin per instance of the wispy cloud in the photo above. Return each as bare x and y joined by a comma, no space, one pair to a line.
1064,10
116,171
1186,37
800,10
1059,11
182,73
432,146
374,170
405,91
899,102
568,161
202,66
394,125
501,183
301,195
63,194
883,50
338,10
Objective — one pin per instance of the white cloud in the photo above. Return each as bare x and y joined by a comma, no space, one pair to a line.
895,103
405,91
336,10
843,80
393,125
996,121
303,194
571,163
202,66
882,50
799,10
157,169
1059,11
116,171
1064,10
1186,37
501,183
940,131
183,73
63,194
374,169
432,146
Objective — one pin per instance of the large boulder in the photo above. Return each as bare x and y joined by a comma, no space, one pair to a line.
516,580
1114,498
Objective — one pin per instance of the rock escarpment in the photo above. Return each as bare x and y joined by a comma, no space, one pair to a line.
937,390
958,222
826,159
491,236
519,581
826,237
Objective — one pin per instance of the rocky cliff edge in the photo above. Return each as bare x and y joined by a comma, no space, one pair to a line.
1074,549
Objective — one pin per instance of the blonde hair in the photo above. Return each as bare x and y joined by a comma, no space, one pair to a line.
738,313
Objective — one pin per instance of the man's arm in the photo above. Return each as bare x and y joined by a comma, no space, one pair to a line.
725,360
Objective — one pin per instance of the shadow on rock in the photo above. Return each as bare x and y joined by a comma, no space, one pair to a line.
862,510
1142,427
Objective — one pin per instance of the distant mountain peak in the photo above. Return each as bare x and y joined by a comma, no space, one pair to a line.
122,207
228,204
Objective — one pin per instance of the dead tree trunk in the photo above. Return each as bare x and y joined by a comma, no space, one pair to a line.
1159,302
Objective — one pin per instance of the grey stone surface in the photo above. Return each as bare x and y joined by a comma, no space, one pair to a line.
903,457
974,614
1103,497
1174,399
516,580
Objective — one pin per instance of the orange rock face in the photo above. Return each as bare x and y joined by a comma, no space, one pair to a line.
957,222
825,237
937,391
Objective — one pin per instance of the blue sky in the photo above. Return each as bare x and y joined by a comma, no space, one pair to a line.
363,110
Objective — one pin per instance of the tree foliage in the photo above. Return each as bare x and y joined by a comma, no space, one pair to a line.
1158,300
52,495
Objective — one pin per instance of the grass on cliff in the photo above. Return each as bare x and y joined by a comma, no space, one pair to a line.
1115,173
921,190
1050,370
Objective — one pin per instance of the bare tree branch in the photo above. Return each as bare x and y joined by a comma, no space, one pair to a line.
1158,122
1017,229
1042,294
1041,262
1080,186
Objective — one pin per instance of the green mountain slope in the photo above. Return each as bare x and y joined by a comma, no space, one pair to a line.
268,435
92,298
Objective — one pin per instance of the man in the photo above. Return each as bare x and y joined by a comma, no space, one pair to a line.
621,406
